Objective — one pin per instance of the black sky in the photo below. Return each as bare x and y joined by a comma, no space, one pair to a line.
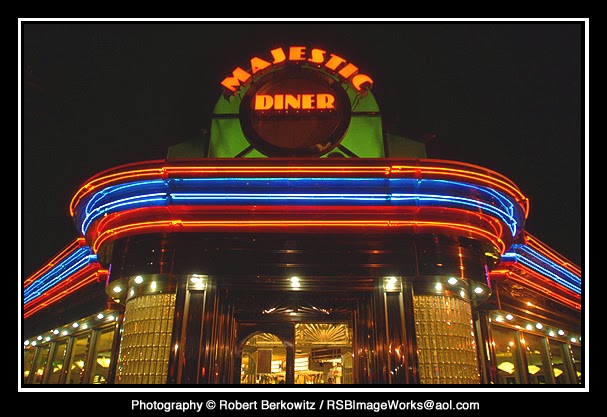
507,96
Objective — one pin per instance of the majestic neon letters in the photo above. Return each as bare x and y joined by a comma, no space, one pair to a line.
332,63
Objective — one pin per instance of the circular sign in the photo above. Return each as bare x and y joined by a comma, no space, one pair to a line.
295,112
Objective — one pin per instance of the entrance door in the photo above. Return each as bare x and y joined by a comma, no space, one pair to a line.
323,353
264,353
295,353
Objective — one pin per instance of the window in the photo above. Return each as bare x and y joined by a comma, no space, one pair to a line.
559,362
77,363
57,363
576,353
507,355
103,356
40,364
538,360
28,359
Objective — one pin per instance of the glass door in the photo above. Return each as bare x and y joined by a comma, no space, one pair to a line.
323,353
264,360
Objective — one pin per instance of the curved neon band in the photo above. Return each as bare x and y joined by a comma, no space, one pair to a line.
65,252
557,274
78,260
540,284
126,196
37,305
185,225
550,253
551,264
421,168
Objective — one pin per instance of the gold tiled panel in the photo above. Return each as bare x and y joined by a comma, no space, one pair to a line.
146,339
445,340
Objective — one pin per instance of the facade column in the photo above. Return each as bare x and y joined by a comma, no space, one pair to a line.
145,345
445,333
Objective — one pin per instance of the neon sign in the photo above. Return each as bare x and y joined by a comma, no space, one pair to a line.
319,58
294,101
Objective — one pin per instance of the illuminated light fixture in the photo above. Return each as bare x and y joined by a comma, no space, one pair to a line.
39,338
292,313
79,363
539,326
104,361
452,281
34,343
295,282
197,282
116,289
507,367
511,343
551,333
573,339
529,327
153,285
138,279
499,319
533,369
85,326
27,342
75,325
392,284
561,332
478,290
110,317
462,294
438,286
26,373
132,292
578,373
56,331
529,304
64,333
100,316
47,338
557,372
509,316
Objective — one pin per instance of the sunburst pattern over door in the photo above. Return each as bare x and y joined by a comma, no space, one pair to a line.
265,339
322,334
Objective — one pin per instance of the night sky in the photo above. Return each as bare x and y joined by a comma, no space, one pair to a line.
508,96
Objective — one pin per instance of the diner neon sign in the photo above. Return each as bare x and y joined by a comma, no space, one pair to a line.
334,64
294,101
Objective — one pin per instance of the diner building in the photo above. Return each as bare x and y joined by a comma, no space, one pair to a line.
299,242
